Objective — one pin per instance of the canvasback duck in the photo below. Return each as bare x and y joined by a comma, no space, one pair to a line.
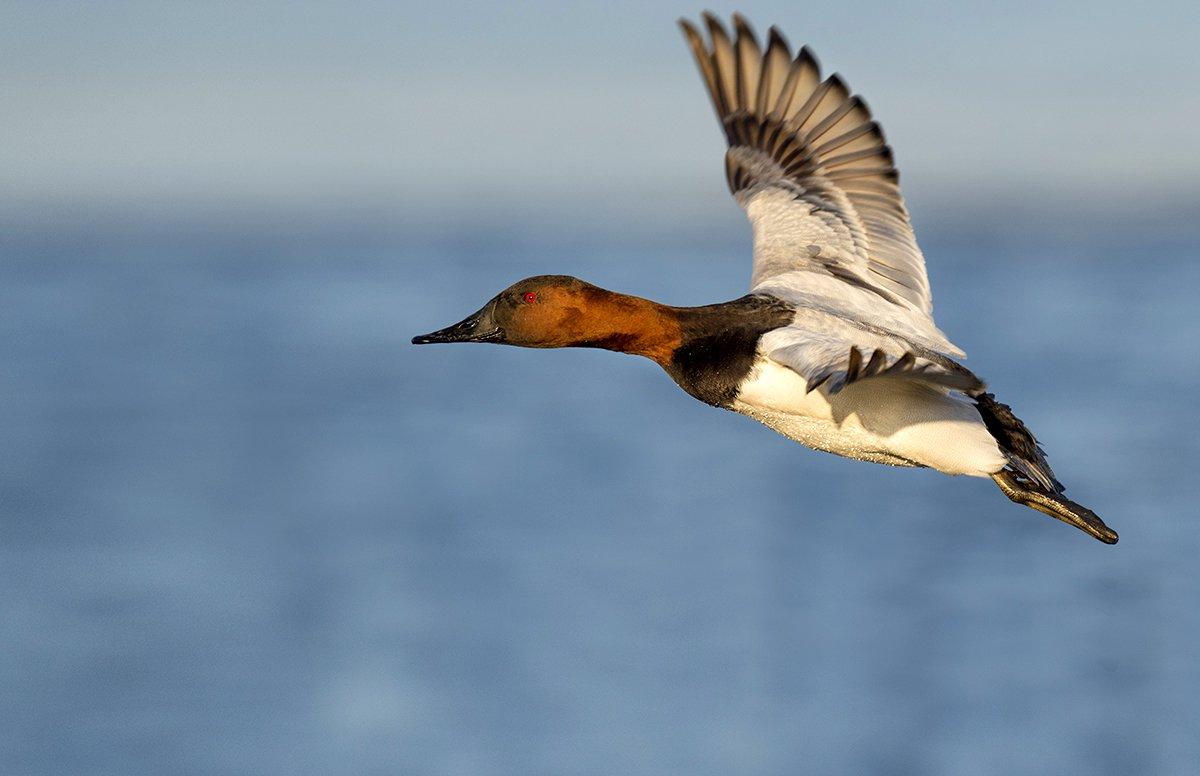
835,345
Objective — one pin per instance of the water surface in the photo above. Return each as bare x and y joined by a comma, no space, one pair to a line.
247,528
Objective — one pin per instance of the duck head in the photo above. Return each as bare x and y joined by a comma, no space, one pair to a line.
555,311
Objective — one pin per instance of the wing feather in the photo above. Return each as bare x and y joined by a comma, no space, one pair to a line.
835,352
810,166
775,65
723,66
749,65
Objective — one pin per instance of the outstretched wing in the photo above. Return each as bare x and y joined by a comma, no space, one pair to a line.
810,167
833,351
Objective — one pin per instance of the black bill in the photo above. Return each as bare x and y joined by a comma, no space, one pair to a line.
479,327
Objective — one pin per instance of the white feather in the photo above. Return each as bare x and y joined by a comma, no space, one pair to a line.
886,420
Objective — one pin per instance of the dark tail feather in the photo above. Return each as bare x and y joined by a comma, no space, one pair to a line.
1028,478
1056,505
1025,455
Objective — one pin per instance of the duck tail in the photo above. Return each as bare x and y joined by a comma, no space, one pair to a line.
1056,505
1028,478
1025,456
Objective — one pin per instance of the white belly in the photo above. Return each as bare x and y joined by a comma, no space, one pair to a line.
884,420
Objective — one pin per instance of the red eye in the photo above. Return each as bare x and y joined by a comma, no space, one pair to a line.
530,297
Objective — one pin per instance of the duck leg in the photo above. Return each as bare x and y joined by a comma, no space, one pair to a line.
1056,505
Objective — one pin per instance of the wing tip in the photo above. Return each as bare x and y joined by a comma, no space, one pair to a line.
805,54
714,24
743,27
775,36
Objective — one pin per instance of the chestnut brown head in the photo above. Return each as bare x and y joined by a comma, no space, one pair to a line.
545,311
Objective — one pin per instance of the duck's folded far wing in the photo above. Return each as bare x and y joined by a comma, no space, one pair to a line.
829,351
810,167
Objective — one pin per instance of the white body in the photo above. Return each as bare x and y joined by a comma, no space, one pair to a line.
893,421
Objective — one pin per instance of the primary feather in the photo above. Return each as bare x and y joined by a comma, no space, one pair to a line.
810,167
831,233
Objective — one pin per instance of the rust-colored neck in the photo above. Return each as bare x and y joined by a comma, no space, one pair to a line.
623,323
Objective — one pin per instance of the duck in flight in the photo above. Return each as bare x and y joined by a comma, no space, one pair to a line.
835,345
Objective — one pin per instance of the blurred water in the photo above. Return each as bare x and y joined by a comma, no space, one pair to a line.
246,528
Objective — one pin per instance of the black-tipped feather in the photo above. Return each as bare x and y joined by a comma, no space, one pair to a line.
820,135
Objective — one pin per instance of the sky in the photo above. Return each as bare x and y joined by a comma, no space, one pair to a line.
562,114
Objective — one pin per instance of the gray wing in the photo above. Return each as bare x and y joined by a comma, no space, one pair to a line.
810,167
833,351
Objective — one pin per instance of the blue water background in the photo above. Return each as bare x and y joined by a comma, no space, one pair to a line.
245,527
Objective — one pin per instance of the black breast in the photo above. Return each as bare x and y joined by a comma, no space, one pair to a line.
720,343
